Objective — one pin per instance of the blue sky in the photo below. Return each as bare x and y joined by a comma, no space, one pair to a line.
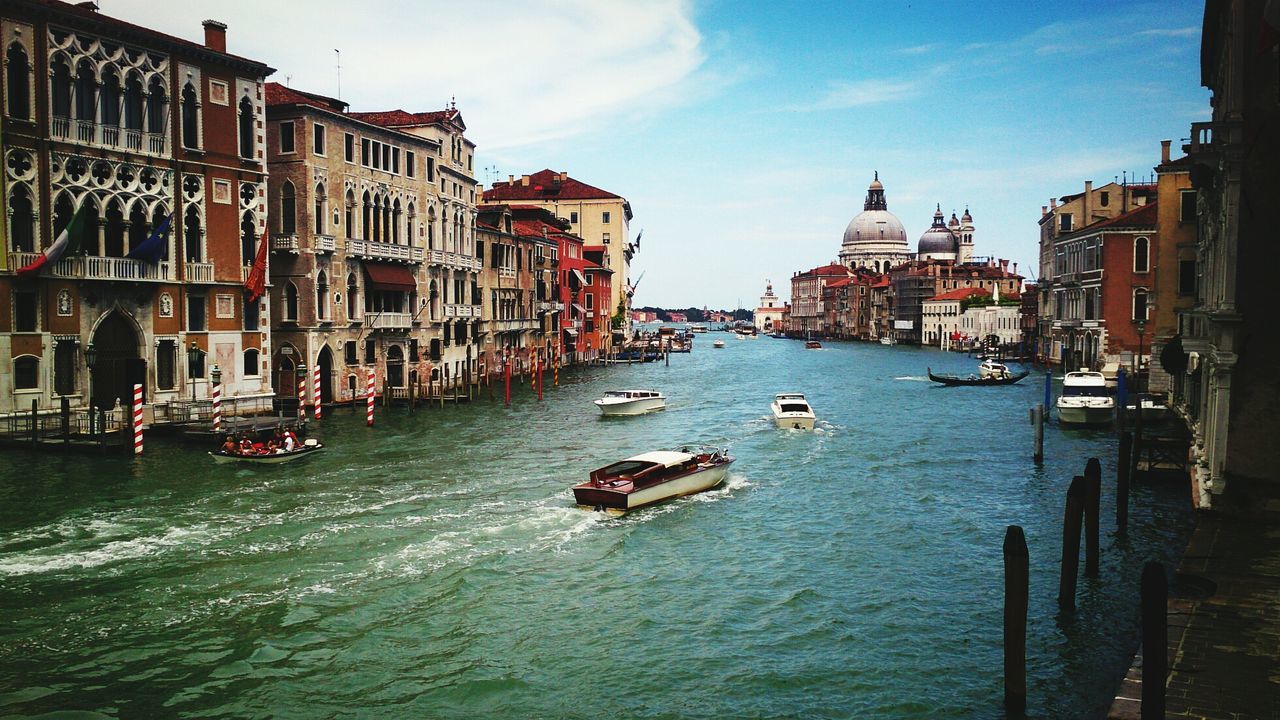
745,133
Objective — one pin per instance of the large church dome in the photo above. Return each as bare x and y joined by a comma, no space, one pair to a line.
875,230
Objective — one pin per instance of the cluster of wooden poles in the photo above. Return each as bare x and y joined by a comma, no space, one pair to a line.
1082,509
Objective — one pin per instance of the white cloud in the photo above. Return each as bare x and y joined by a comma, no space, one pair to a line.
1172,32
917,49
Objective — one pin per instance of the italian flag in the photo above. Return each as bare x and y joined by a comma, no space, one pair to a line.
68,240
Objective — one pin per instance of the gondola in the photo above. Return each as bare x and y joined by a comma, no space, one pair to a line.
310,447
951,380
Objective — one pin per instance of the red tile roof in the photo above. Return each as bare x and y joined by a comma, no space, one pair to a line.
543,186
401,118
842,282
828,270
960,294
1143,217
277,94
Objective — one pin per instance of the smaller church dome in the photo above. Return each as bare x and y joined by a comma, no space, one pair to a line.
938,241
967,219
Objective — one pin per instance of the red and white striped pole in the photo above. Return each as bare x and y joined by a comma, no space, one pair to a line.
302,396
506,379
137,419
538,365
315,390
369,400
217,407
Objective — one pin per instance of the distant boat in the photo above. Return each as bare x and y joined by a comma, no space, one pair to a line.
718,344
812,345
886,340
954,380
792,411
991,368
309,447
697,328
631,402
653,477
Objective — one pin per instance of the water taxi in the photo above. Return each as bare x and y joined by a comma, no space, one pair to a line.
631,402
1085,400
653,477
791,411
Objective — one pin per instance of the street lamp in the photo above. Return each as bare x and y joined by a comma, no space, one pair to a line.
193,357
90,358
215,375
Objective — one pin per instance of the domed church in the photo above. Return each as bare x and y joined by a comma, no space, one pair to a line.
875,239
947,240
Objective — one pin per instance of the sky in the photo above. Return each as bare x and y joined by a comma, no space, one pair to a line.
744,134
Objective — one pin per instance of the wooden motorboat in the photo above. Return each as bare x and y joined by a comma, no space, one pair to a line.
1085,399
309,447
812,345
954,380
631,402
653,477
792,411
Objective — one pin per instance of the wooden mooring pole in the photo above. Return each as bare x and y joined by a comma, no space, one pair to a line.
1123,468
1016,590
1071,544
1037,421
1155,640
35,422
1092,499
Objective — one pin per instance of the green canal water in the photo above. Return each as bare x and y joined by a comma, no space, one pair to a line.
434,565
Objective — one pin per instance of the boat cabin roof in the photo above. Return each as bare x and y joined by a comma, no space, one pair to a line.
789,396
1085,378
632,393
667,458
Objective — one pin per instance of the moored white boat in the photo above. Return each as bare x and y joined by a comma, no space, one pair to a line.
992,369
792,411
718,343
1085,400
631,402
653,477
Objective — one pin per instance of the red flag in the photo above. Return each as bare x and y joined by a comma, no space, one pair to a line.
256,283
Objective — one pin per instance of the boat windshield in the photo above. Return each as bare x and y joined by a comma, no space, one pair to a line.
1084,391
794,407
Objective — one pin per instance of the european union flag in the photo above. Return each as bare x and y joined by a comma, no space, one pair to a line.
152,249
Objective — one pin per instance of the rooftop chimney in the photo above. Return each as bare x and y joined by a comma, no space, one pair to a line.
1053,203
524,181
511,179
1088,204
1164,151
215,35
1044,210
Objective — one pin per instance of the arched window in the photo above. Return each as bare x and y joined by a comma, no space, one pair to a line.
408,226
19,83
113,232
291,302
319,219
431,228
246,129
60,89
157,106
158,216
322,296
248,236
377,218
22,231
1141,255
252,368
190,125
395,222
26,373
353,293
191,235
138,226
86,92
62,212
366,217
1140,304
133,102
350,214
288,209
109,100
386,219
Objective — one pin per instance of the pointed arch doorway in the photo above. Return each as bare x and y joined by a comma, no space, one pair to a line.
119,364
324,361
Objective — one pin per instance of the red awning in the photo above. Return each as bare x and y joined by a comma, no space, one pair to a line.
396,278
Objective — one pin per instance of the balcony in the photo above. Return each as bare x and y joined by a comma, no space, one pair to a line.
284,243
1210,137
89,132
461,311
509,273
198,272
325,244
388,320
454,260
99,268
545,307
370,250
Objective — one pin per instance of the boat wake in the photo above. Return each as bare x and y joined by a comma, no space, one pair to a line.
913,378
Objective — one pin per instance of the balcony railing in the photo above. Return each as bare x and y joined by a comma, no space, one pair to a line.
325,244
284,243
384,251
509,273
452,259
199,272
550,307
90,132
1211,136
387,320
99,268
461,311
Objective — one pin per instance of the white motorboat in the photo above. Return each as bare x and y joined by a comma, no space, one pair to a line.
791,411
697,328
886,340
992,369
631,402
718,343
1085,400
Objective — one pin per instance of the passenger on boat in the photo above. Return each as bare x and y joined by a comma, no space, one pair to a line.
230,447
290,441
246,446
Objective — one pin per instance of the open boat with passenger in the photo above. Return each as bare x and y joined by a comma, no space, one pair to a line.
653,477
954,380
262,455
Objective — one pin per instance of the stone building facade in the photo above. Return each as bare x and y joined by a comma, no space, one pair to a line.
130,131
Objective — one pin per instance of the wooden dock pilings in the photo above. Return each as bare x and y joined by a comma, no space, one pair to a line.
1071,544
1017,566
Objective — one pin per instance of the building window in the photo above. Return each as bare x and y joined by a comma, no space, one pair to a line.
290,302
349,352
370,352
322,296
1187,210
319,210
1105,199
1064,222
589,299
286,137
196,313
364,152
1140,304
288,209
157,107
604,237
395,160
64,367
248,234
246,129
19,83
166,365
1141,255
252,315
26,317
21,221
252,368
133,102
349,147
317,139
431,169
26,373
353,293
605,217
409,168
573,218
190,124
1186,277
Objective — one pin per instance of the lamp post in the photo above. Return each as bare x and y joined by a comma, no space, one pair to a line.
1137,383
193,357
90,359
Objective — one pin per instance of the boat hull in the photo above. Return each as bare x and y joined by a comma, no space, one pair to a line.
277,459
633,407
616,502
794,422
1085,415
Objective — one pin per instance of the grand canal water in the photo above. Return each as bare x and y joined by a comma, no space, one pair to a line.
434,566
